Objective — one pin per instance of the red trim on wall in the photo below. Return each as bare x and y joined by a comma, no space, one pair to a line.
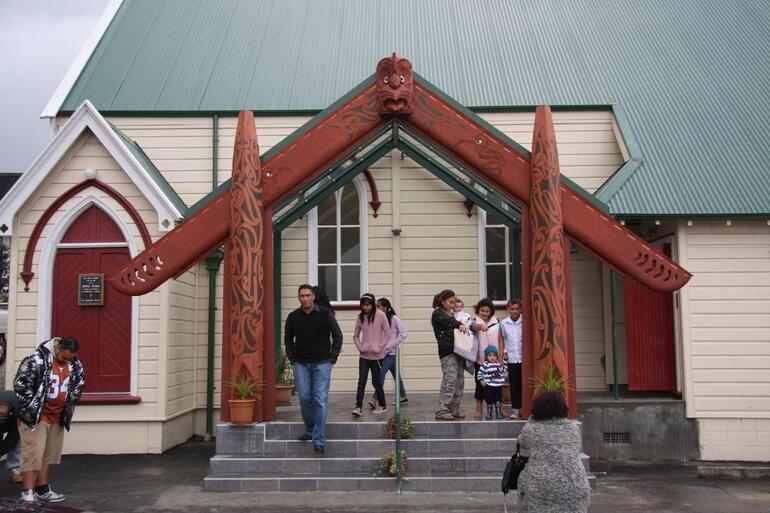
375,203
26,272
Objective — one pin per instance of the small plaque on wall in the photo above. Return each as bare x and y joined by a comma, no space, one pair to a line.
91,289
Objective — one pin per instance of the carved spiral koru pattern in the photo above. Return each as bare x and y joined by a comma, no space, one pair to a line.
548,278
246,254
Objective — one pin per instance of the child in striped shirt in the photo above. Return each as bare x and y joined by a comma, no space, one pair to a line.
491,376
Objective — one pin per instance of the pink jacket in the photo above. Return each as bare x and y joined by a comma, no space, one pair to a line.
372,338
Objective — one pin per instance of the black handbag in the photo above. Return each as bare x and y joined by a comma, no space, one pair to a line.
512,470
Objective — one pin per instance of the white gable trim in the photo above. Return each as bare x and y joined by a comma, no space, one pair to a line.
65,86
86,116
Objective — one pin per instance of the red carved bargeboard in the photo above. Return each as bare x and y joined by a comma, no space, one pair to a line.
548,288
245,267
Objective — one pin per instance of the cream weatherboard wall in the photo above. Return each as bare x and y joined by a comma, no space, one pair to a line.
134,428
438,247
726,335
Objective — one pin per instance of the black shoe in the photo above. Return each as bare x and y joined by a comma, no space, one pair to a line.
305,438
318,448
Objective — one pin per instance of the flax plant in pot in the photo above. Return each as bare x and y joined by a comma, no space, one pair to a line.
246,391
284,381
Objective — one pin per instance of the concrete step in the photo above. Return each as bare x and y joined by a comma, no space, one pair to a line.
442,465
423,429
350,483
363,448
356,483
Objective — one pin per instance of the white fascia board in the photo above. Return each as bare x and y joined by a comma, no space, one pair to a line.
86,116
65,86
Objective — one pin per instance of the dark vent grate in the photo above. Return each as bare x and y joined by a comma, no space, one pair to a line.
617,438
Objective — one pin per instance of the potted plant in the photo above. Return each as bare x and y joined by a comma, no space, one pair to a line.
387,465
284,381
246,391
407,429
551,382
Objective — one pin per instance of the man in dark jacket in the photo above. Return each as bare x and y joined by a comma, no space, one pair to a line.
9,434
313,341
48,384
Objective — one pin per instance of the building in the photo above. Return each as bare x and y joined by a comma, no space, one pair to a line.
149,112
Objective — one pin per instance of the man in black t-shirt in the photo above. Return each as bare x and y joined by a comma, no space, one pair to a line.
313,341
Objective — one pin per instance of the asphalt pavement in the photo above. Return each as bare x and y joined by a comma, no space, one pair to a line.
171,482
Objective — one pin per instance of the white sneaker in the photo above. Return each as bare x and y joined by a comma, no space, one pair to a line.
51,496
28,497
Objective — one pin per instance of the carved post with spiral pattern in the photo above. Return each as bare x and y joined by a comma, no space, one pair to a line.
244,308
548,288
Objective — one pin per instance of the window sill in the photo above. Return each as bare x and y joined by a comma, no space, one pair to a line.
109,399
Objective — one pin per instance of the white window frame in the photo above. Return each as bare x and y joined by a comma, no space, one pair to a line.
482,225
312,239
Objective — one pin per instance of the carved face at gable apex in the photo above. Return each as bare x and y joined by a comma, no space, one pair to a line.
394,83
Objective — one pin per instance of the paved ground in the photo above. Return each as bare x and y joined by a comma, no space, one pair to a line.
171,483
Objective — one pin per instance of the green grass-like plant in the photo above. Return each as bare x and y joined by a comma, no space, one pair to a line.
244,386
552,382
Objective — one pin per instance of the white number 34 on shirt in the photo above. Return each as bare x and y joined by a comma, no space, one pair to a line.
57,388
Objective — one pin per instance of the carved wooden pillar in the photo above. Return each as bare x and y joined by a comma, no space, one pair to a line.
244,312
548,288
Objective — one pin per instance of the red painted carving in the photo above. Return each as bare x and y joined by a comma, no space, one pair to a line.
547,302
375,203
395,86
26,273
246,291
208,227
505,166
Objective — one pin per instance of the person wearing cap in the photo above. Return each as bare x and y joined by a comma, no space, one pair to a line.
491,377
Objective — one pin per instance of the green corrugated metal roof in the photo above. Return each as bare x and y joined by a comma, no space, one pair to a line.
152,171
690,76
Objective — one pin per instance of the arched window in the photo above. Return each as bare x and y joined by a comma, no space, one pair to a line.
495,258
337,243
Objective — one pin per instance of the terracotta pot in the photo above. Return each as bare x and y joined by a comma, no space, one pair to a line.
242,411
283,394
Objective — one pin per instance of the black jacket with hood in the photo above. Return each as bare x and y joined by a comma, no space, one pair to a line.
33,380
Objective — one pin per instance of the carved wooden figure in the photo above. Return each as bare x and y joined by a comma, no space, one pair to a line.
244,315
548,288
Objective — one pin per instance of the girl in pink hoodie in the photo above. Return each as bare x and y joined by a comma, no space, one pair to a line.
371,336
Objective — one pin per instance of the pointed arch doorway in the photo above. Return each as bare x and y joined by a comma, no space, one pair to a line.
94,244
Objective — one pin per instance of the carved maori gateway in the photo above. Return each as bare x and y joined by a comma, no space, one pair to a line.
552,215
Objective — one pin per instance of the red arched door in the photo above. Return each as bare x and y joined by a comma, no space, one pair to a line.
94,244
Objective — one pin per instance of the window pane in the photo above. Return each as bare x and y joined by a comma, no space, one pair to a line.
349,206
351,282
327,245
327,211
327,280
351,249
496,289
495,245
492,220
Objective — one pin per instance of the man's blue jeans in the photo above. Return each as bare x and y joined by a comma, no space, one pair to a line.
312,383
